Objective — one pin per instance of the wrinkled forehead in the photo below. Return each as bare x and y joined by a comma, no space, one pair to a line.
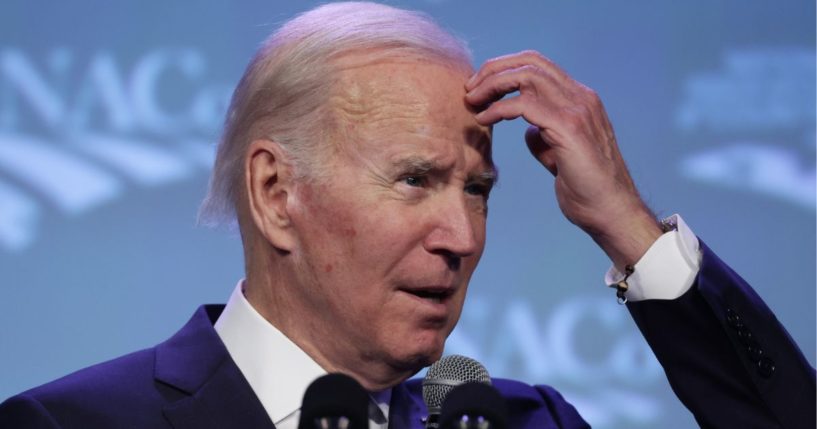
394,98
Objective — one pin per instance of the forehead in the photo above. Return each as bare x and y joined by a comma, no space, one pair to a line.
408,101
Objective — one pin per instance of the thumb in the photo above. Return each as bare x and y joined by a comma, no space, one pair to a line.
542,151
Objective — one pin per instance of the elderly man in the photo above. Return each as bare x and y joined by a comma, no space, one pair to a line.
356,159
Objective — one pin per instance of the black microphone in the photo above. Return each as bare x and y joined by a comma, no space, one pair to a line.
335,401
443,376
474,406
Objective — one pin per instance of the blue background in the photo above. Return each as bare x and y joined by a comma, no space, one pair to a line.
109,112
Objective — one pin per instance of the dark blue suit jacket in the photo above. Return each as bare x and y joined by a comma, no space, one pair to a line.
727,358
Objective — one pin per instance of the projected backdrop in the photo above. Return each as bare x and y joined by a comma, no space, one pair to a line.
109,113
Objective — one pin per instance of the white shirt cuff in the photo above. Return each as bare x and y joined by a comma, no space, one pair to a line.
667,270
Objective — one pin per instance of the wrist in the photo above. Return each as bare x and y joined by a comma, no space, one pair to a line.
630,238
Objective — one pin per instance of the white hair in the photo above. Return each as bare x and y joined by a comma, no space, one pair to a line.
284,92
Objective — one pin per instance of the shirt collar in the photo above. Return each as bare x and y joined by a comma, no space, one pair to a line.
277,370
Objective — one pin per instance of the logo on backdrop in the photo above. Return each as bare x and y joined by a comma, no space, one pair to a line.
77,132
581,342
759,109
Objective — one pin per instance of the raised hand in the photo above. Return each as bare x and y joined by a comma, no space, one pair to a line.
572,137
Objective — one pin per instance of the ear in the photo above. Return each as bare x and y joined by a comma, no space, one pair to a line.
268,181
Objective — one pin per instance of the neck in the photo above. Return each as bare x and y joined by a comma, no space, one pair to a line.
272,293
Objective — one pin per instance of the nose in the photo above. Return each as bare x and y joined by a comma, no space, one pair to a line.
455,230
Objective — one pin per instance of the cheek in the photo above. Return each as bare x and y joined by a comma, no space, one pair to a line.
343,244
478,225
323,220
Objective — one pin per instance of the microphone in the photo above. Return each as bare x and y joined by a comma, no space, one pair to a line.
443,376
474,406
335,401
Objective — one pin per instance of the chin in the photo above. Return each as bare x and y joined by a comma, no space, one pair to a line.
425,359
426,352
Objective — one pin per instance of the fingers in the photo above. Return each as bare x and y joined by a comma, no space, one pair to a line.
537,93
500,64
494,88
522,78
540,149
545,91
508,109
536,110
563,110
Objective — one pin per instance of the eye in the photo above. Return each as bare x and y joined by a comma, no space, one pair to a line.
415,181
478,189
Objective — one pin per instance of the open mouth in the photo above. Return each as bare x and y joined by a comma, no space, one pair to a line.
436,296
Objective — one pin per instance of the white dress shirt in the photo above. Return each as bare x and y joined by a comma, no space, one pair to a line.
279,372
667,270
276,369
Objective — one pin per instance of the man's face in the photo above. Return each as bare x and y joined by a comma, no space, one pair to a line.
388,241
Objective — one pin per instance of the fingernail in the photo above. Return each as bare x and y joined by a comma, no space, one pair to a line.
471,81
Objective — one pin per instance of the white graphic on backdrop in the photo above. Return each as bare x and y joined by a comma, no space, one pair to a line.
516,340
757,93
757,167
74,135
97,129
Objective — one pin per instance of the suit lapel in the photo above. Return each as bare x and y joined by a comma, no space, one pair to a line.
223,402
196,362
407,409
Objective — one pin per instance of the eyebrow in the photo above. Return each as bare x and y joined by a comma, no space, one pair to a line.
420,165
416,164
489,177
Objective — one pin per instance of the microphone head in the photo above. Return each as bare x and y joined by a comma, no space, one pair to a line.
474,402
448,373
335,396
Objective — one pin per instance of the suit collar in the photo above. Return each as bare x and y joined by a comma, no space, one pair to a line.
192,355
196,362
407,409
